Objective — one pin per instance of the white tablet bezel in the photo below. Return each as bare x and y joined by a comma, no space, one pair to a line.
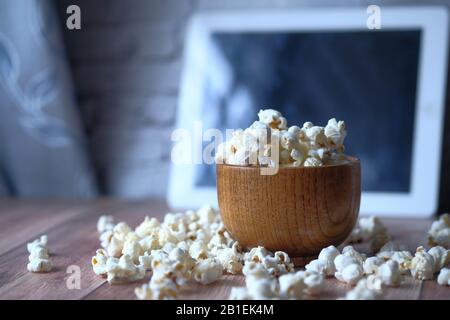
422,200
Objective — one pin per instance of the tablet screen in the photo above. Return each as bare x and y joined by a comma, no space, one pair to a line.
366,78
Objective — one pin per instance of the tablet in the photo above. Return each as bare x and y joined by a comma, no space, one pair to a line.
388,85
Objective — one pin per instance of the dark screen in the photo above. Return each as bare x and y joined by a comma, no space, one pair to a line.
366,78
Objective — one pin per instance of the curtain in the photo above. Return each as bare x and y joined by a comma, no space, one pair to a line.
42,142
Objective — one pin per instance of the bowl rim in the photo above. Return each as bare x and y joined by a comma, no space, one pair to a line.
352,160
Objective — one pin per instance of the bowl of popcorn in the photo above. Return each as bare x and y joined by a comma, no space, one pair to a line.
286,188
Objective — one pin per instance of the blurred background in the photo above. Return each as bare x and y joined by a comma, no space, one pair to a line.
89,112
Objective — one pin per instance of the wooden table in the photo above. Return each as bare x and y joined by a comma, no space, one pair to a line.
73,239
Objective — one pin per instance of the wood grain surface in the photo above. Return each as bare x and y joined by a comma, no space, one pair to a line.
73,239
298,210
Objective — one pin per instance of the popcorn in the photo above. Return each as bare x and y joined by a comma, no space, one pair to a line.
374,282
292,286
148,227
439,233
161,289
335,133
444,277
441,257
123,270
362,292
313,281
422,265
321,267
121,230
145,261
272,118
39,260
348,269
198,250
105,223
133,249
324,264
371,265
38,252
105,238
254,269
42,242
149,243
351,252
403,258
238,293
389,273
230,258
269,142
276,264
39,265
208,271
195,244
350,274
115,247
262,288
256,254
206,215
370,229
99,262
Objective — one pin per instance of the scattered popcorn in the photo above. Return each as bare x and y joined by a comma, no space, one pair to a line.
439,233
133,249
351,252
238,293
375,283
148,227
444,277
99,262
195,245
309,146
39,265
262,288
292,286
313,281
389,273
39,260
441,257
403,259
159,289
41,242
350,274
371,265
422,265
198,250
208,271
348,269
276,264
370,229
362,292
123,270
105,223
324,264
230,258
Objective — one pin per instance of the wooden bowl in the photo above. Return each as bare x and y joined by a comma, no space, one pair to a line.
298,210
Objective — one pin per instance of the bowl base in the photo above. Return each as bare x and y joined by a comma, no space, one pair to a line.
301,262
